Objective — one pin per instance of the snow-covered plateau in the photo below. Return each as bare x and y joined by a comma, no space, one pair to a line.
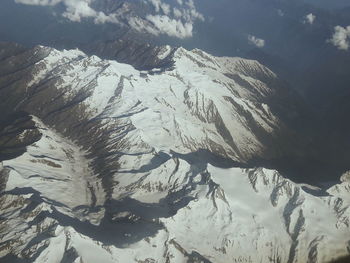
152,166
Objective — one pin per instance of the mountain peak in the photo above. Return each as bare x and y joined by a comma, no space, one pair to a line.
143,165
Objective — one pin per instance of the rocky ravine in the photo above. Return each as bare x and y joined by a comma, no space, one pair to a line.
146,166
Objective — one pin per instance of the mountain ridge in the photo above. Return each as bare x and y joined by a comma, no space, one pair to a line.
128,160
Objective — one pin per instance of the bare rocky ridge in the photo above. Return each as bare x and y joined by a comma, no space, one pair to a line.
138,165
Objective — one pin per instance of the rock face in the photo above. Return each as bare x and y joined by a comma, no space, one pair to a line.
126,165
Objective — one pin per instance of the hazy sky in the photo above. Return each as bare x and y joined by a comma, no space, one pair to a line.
223,27
329,3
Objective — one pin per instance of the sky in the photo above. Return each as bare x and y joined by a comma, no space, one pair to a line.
330,4
182,19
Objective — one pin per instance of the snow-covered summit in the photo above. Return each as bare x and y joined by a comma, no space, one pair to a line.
202,102
141,166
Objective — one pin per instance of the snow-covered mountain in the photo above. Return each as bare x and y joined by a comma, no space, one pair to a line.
151,165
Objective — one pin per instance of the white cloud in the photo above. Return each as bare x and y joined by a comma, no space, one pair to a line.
171,27
341,37
166,8
76,10
156,4
180,25
160,6
176,21
309,19
177,12
38,2
258,42
180,2
280,12
190,4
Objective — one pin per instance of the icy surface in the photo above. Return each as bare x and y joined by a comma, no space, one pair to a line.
168,200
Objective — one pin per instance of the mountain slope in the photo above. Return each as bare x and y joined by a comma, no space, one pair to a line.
243,215
138,166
